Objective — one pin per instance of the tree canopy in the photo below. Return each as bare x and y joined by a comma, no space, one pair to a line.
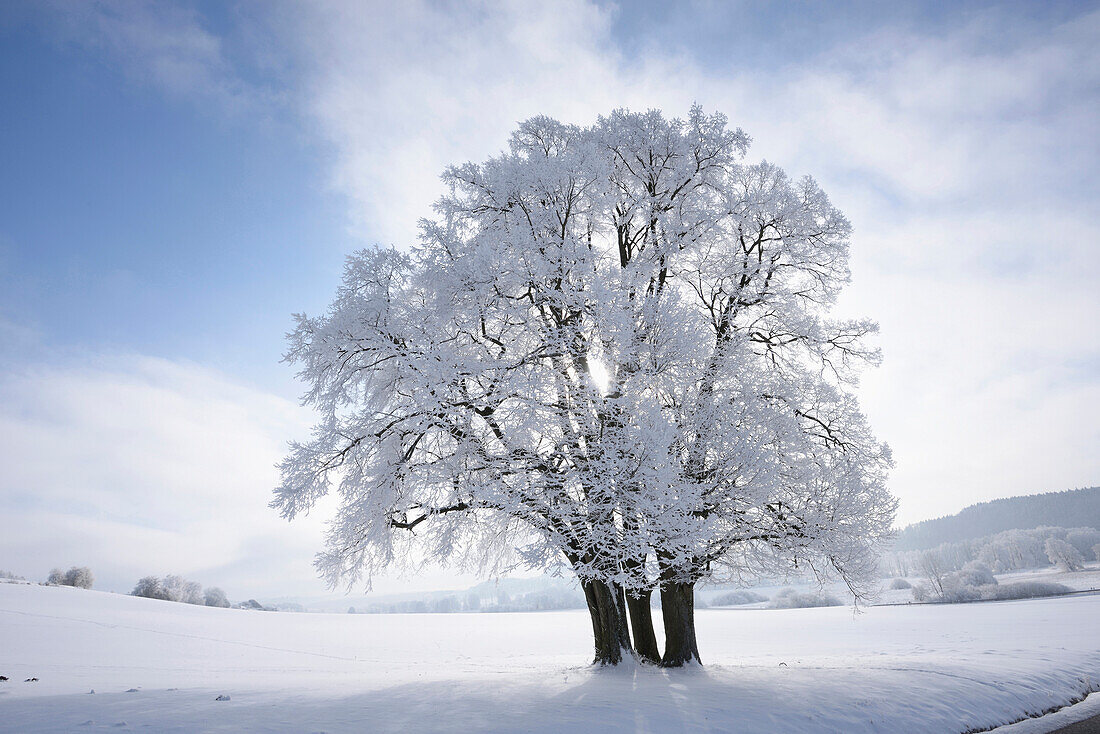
611,350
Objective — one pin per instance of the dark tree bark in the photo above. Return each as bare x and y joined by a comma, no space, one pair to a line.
678,611
641,624
607,608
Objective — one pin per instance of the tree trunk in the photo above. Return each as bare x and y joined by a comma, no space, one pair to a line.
678,611
641,624
606,607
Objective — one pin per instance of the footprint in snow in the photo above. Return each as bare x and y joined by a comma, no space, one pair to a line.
222,697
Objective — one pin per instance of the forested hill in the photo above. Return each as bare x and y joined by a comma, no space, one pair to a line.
1073,508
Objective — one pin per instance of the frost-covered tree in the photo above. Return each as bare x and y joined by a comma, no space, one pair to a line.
1083,539
215,597
80,577
150,588
177,588
933,568
1063,555
610,351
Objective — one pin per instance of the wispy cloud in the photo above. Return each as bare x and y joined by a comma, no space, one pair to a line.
965,160
169,47
137,466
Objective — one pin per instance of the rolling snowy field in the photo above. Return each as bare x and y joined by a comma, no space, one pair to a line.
159,666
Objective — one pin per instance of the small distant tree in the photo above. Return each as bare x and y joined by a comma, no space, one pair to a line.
150,588
81,577
180,589
56,577
1063,555
473,602
932,568
192,593
351,610
215,597
1096,551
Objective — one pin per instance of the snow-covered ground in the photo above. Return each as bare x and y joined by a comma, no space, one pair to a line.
159,666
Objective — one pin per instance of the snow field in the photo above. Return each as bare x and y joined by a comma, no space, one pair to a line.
929,668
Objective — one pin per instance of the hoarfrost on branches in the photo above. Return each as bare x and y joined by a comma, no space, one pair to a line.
611,351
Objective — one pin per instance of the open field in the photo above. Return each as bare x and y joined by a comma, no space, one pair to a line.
930,668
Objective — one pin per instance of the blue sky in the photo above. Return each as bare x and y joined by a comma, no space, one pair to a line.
136,220
178,178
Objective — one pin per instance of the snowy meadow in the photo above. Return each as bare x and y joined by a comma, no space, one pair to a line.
161,666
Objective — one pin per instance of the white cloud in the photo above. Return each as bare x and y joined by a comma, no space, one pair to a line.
137,466
964,159
164,45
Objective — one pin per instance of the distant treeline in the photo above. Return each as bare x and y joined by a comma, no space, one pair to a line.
177,588
1010,550
500,601
1072,508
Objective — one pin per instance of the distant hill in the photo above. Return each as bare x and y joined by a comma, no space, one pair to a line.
1073,508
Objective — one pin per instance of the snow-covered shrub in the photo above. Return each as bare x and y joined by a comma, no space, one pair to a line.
974,573
967,583
954,592
81,577
11,576
180,589
791,599
1023,590
215,597
1063,555
735,598
900,583
150,588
